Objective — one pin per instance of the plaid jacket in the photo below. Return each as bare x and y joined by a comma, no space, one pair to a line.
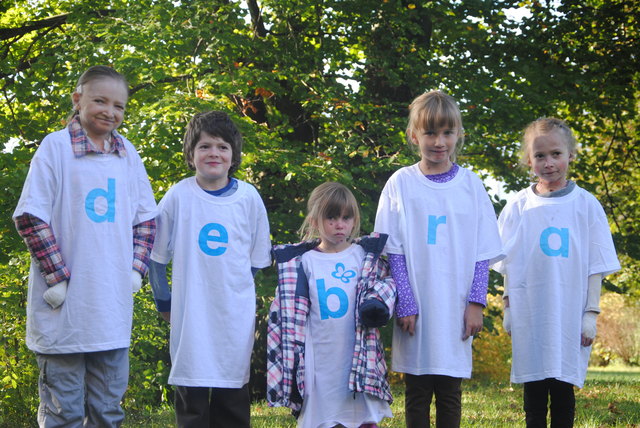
288,318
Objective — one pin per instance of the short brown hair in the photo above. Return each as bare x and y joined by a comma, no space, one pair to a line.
217,124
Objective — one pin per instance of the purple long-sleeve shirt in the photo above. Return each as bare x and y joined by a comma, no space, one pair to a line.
406,304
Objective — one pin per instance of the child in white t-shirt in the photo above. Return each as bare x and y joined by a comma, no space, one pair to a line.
559,247
442,235
214,229
325,357
86,214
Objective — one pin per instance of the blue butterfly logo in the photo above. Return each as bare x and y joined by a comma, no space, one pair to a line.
342,274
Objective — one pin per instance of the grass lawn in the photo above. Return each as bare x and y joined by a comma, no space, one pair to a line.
610,398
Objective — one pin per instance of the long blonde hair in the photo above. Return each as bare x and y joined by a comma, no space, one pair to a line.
434,110
329,200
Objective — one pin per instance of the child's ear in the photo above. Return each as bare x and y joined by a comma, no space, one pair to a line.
75,97
414,138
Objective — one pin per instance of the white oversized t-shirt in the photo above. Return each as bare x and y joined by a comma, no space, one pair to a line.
330,341
213,242
91,204
552,245
442,229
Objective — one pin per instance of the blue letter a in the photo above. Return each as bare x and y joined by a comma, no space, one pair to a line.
563,250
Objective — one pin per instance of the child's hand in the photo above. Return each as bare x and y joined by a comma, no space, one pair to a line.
56,294
407,324
136,281
166,316
472,320
506,320
588,328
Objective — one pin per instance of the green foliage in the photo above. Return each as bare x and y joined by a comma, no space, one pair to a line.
320,90
18,369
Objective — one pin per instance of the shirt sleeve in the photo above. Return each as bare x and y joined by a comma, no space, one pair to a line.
160,286
406,304
478,293
143,236
43,247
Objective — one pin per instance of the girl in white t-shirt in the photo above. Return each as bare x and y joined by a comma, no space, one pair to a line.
326,359
442,236
559,247
86,214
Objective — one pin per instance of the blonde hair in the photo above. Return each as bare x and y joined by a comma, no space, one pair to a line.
434,110
97,72
542,126
329,200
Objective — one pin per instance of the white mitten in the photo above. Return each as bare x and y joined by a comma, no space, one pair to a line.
506,320
56,294
136,281
589,324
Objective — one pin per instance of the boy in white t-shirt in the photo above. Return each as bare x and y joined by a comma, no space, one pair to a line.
214,229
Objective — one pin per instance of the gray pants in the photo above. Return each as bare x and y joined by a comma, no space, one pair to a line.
83,389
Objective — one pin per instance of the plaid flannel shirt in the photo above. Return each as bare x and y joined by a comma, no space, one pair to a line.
39,236
287,325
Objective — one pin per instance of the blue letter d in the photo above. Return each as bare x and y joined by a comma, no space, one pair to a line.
109,195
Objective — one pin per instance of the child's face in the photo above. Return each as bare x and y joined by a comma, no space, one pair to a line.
436,148
212,159
101,107
549,159
335,233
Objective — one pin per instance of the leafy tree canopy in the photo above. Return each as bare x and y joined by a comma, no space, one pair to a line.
321,88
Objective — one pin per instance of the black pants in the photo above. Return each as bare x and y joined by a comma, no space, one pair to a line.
198,407
419,391
563,403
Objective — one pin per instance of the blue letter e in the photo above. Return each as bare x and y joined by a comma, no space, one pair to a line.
563,250
323,297
205,237
110,196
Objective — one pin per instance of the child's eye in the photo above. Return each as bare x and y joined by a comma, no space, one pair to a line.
429,133
449,132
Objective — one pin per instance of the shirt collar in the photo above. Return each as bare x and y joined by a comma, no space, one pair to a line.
82,146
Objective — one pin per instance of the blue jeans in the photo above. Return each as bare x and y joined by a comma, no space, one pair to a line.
82,389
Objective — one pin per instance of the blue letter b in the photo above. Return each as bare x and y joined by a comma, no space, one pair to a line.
323,297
